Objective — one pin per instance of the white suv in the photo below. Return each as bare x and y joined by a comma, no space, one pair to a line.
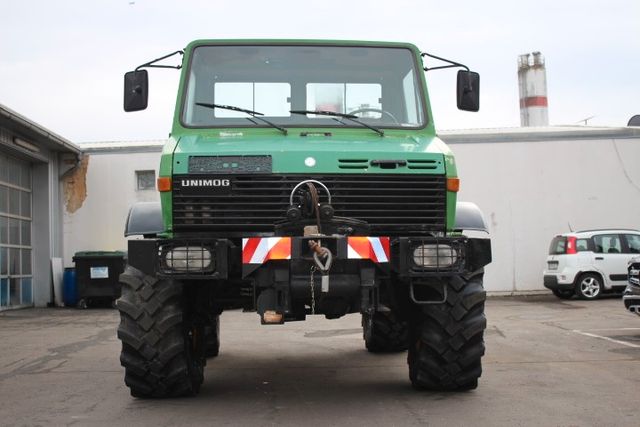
588,263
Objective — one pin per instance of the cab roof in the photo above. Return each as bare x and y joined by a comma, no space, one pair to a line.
314,42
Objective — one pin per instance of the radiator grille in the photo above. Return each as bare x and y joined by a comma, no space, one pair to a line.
391,204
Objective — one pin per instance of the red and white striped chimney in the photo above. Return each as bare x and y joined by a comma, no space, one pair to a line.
532,82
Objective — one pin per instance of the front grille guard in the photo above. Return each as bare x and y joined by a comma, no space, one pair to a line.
446,248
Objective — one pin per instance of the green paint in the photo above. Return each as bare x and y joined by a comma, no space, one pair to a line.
290,151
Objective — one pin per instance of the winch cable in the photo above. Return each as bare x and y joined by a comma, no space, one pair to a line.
315,202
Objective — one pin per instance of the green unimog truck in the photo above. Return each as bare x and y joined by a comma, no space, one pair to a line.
303,178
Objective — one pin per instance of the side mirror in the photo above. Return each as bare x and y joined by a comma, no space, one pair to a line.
136,90
468,91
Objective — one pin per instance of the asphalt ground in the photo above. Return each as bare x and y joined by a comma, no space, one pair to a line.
548,363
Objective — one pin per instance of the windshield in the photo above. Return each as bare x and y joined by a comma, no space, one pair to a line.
379,85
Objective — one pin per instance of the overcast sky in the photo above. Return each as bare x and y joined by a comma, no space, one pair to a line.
61,62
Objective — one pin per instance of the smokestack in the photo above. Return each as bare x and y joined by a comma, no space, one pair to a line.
532,82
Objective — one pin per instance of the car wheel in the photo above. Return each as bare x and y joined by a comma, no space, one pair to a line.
589,286
563,293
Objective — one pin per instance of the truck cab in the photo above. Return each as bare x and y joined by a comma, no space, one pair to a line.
304,178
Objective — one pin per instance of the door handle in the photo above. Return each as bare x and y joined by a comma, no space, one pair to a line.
599,258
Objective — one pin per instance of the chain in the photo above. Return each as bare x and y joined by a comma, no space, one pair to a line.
312,285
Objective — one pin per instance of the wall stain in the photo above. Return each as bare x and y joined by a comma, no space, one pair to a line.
75,186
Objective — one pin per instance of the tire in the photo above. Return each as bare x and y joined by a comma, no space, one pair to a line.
158,352
385,333
589,286
564,293
212,337
446,340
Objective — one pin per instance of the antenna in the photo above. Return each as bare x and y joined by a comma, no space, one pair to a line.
570,228
585,120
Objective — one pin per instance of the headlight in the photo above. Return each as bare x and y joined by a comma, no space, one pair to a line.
435,256
188,258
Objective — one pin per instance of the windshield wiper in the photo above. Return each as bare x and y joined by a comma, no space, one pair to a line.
350,117
253,114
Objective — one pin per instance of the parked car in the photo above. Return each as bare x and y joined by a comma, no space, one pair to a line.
591,262
631,295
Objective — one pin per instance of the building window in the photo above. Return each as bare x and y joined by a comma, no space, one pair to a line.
16,285
145,180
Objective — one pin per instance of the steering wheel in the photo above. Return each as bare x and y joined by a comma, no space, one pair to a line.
375,110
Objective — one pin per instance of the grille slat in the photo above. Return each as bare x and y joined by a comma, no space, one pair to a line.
391,204
408,197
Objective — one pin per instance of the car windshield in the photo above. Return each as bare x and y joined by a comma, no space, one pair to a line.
379,85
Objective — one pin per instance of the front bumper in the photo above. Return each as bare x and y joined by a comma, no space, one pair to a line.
551,282
241,258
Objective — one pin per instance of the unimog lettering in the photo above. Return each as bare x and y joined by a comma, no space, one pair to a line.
371,227
205,182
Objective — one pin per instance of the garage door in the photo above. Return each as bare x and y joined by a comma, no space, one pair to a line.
16,286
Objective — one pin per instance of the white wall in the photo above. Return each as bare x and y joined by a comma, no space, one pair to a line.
531,191
529,183
111,190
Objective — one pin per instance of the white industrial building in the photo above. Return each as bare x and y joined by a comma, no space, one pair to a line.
531,183
534,183
35,164
116,176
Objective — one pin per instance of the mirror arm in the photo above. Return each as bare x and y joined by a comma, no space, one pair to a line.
453,64
150,64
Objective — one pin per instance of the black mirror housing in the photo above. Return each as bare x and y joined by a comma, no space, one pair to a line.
468,91
136,90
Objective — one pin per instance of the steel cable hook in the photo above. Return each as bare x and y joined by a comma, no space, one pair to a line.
328,259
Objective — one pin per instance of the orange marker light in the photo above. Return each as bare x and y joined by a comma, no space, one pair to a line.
164,184
453,184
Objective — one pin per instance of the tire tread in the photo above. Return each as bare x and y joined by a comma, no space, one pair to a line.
447,342
154,350
387,334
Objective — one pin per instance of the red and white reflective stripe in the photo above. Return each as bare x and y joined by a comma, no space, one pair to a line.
534,101
258,250
374,248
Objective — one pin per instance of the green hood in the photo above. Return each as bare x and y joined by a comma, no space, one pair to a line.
317,153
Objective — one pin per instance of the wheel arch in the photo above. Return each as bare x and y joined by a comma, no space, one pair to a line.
144,218
581,273
469,217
